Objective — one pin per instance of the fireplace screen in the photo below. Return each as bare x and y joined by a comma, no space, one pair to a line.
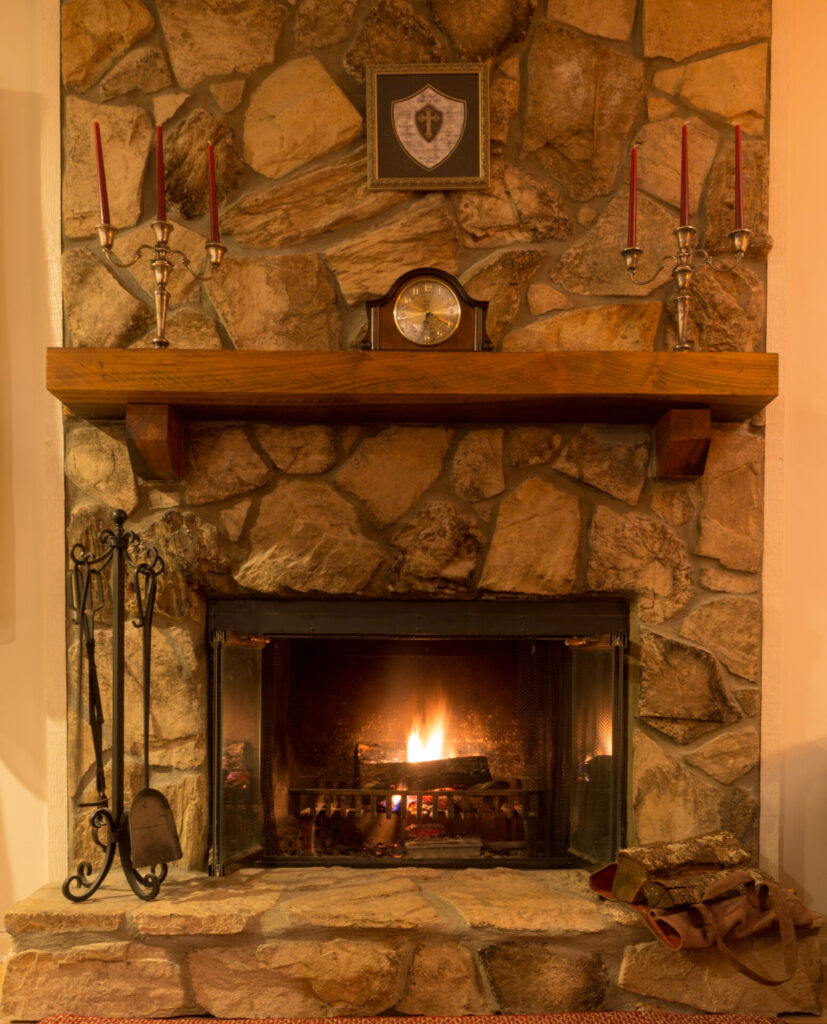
388,733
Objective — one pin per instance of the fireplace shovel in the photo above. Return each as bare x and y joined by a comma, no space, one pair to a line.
153,836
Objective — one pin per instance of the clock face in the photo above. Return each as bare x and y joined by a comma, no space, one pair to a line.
427,311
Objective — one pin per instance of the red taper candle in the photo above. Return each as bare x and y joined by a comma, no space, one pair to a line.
631,240
739,182
684,180
214,233
159,174
104,197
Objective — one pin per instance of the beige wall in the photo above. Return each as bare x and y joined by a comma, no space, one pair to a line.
794,785
31,614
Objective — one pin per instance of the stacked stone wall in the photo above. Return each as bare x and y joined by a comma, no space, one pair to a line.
500,510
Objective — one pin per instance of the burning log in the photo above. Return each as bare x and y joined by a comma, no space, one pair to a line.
447,772
377,752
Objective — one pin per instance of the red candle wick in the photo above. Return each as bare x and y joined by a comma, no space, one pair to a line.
214,232
684,180
631,242
739,182
159,174
104,197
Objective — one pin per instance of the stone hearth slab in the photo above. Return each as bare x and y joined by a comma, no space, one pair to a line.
321,942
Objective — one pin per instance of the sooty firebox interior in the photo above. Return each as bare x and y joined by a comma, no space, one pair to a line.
381,733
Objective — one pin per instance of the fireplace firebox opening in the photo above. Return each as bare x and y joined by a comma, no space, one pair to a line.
439,733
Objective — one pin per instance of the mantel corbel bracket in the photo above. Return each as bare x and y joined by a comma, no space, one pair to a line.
155,439
682,438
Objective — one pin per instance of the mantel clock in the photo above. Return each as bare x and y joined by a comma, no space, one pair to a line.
427,308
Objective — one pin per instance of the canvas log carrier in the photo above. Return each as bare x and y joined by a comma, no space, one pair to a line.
702,892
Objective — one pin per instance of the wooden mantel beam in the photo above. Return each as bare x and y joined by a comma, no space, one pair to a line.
155,390
403,386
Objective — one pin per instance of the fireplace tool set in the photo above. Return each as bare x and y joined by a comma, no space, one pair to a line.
144,835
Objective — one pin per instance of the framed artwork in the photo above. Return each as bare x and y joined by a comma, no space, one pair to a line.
427,126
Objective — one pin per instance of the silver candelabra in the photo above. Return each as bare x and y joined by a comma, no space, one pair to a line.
162,266
684,268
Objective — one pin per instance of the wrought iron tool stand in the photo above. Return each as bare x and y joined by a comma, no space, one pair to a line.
86,590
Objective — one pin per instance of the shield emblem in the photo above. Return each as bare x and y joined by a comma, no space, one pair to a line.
429,125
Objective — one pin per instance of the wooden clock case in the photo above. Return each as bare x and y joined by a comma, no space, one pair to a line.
384,335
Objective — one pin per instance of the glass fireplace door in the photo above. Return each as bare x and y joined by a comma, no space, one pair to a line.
443,734
236,722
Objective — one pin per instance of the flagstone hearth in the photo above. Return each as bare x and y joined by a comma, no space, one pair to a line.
341,941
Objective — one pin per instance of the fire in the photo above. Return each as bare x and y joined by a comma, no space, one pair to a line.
431,748
427,738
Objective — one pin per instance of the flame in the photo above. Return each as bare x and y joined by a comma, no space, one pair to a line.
432,747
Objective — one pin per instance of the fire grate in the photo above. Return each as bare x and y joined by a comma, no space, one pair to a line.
427,822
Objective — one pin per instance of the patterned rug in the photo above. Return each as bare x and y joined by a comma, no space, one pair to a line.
631,1017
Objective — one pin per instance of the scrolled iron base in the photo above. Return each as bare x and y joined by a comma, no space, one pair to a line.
81,885
82,880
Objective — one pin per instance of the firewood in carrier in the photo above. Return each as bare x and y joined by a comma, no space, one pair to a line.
448,772
637,864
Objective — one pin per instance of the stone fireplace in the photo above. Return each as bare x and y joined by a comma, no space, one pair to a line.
374,517
450,514
514,514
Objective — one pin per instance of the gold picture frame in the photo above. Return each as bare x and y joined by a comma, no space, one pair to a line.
428,126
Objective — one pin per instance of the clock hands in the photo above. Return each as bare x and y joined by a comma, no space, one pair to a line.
414,315
442,319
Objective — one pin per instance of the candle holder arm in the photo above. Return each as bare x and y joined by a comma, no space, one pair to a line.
215,254
631,256
106,236
740,240
137,255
